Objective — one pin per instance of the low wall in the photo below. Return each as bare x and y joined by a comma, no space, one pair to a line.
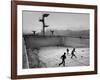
25,56
36,42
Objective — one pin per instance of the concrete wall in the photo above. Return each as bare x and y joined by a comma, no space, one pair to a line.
25,56
76,42
37,42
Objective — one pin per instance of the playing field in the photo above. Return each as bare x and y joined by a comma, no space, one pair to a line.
51,56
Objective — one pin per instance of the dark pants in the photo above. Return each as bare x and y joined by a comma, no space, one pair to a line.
73,55
63,62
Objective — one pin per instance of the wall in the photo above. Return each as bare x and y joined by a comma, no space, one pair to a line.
37,41
5,41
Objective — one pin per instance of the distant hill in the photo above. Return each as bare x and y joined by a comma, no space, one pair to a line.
71,33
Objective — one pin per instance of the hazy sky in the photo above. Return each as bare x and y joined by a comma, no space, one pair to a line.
56,21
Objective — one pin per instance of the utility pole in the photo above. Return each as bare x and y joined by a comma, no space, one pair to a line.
43,21
52,31
34,32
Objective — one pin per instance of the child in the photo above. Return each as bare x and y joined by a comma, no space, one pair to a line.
63,57
67,51
72,53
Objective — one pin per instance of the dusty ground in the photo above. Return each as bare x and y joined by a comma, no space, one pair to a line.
51,56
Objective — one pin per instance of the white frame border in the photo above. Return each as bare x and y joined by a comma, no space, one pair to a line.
21,71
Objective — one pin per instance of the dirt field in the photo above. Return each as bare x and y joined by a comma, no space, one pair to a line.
51,56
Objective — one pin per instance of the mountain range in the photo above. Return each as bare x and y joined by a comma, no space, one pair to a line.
71,33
